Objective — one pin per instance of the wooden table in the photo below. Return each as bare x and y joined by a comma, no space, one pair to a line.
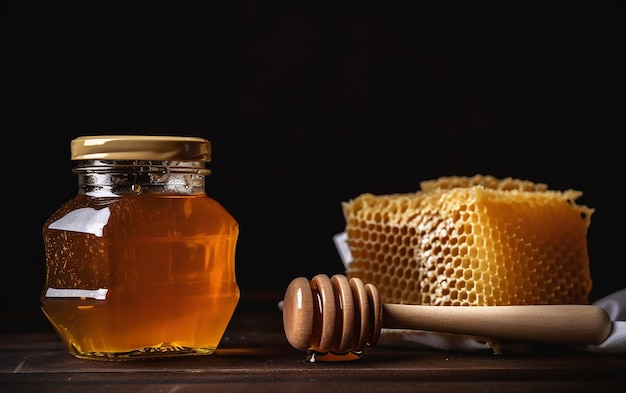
254,356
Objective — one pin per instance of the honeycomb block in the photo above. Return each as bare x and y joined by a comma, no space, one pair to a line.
472,241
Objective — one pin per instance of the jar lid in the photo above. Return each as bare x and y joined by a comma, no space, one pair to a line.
140,147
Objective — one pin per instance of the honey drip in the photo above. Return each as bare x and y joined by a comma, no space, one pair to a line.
315,356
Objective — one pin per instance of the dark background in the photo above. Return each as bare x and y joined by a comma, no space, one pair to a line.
309,104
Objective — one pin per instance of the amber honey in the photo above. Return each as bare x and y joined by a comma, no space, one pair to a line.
161,260
140,265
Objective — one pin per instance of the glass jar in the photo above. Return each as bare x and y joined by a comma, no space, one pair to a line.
141,262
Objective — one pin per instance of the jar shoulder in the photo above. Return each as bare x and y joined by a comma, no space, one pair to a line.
156,213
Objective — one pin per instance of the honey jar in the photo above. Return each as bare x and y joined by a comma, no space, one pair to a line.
140,263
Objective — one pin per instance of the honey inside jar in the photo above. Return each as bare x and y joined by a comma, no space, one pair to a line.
138,269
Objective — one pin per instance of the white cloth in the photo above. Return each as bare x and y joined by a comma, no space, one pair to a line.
614,305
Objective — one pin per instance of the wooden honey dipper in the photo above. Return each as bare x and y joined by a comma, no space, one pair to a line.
339,315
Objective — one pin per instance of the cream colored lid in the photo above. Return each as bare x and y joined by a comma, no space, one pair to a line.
141,147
